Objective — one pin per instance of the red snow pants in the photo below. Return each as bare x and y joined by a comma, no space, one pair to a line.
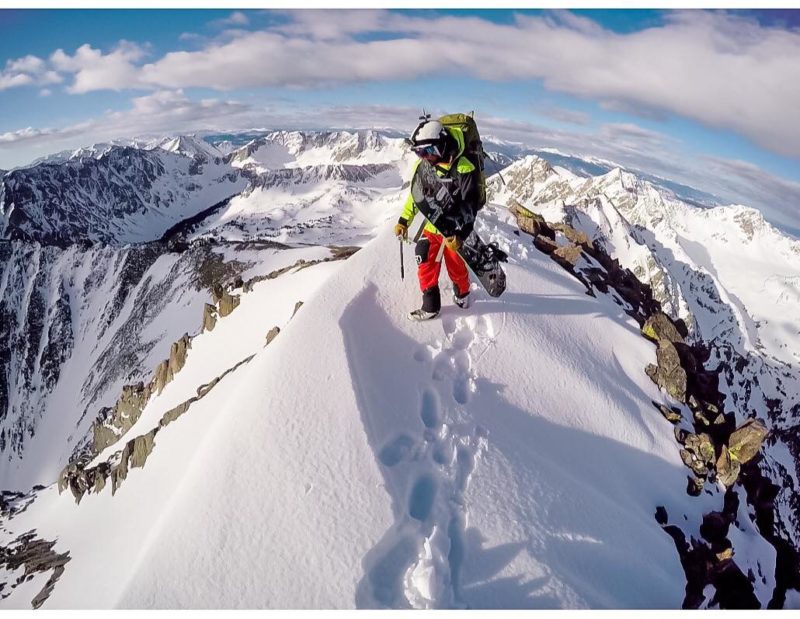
428,270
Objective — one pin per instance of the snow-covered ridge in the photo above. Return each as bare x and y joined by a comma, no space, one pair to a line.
432,473
410,486
295,149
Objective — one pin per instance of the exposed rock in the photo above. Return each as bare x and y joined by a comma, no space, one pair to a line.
297,306
544,244
209,317
669,375
715,527
530,222
695,486
746,441
101,474
177,353
173,413
120,472
161,376
574,236
673,415
701,446
226,302
567,255
343,252
693,462
273,333
35,556
700,417
142,447
42,596
121,418
167,369
733,589
727,468
660,327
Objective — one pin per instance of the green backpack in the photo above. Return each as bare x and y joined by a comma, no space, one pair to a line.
473,147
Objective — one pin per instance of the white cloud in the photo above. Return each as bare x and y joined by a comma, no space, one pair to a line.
13,80
28,64
21,135
721,70
162,112
27,71
94,70
237,18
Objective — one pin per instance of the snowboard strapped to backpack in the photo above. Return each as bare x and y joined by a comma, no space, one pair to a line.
473,148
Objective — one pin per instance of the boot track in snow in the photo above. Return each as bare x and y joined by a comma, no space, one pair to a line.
417,563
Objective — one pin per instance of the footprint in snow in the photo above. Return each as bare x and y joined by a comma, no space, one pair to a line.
422,497
430,411
396,450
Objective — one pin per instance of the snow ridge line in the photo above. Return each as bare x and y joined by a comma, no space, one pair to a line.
417,564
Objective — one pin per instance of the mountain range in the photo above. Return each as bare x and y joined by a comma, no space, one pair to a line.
210,396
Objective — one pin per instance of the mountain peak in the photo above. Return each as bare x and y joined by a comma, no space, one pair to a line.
190,145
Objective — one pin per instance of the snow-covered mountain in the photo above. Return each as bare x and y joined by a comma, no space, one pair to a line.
125,195
164,375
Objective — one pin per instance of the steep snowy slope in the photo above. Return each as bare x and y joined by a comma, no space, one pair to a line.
81,323
505,456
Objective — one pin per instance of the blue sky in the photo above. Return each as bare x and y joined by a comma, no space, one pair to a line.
707,98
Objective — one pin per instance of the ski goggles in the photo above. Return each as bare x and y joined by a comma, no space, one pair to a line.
427,150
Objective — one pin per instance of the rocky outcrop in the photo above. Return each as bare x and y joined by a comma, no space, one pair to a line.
167,369
119,419
715,451
34,556
113,423
209,317
709,561
82,479
225,301
273,333
660,327
743,445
